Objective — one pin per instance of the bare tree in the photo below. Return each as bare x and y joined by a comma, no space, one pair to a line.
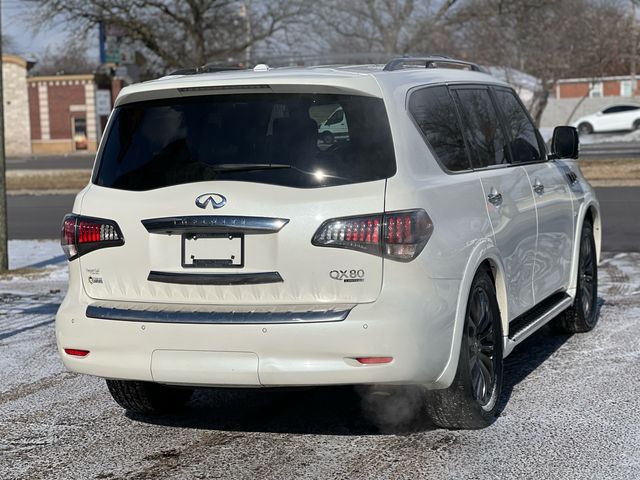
383,27
72,57
548,39
186,33
7,43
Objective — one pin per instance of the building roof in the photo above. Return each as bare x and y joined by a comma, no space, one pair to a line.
595,79
17,60
51,78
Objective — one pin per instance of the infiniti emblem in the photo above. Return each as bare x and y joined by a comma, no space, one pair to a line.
215,199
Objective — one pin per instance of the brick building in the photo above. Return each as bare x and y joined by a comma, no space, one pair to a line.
16,105
63,114
620,86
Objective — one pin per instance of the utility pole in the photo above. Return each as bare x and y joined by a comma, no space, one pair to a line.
4,250
634,47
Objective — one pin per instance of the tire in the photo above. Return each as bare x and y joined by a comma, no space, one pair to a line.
585,128
327,137
148,398
471,402
636,124
582,316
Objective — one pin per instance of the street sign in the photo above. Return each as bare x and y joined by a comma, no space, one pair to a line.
103,102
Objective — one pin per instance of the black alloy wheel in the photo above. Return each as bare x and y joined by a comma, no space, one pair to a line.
481,344
582,316
587,279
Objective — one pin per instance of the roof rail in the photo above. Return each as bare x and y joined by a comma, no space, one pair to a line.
432,61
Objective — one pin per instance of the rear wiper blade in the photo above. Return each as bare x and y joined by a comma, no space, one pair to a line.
244,167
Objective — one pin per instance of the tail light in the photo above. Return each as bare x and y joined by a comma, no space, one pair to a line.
81,235
398,236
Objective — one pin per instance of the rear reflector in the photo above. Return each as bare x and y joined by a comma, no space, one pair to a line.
81,235
396,235
374,360
75,352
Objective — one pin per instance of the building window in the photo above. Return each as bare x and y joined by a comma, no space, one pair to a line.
80,133
625,88
595,89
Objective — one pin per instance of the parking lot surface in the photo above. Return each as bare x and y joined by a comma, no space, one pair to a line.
572,411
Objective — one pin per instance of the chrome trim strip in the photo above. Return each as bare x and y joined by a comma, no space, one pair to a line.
214,224
199,317
215,278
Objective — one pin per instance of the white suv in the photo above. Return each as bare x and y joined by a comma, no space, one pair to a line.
221,242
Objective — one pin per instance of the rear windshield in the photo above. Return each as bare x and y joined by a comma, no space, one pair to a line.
295,140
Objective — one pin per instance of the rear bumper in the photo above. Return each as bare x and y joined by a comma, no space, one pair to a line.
412,324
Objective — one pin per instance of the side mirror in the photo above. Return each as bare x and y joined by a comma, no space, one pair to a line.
565,143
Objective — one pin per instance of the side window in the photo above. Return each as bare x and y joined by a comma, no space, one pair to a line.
482,128
523,139
435,113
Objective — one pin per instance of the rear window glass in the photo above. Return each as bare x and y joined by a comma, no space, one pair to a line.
296,140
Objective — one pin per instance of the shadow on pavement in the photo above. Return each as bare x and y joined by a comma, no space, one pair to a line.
340,410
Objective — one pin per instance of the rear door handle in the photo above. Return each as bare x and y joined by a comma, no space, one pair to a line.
494,197
538,187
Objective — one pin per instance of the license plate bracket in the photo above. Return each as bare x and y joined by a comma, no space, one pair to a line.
212,250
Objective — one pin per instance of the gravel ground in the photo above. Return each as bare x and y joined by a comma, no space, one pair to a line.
572,411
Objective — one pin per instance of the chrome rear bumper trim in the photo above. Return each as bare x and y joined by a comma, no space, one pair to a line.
214,317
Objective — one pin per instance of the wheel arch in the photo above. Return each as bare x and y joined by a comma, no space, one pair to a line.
588,212
484,255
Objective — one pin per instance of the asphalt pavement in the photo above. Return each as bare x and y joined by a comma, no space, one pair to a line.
569,411
51,162
40,216
591,151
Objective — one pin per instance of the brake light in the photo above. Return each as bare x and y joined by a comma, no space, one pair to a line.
398,235
81,235
74,352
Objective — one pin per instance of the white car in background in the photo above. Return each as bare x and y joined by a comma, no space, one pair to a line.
611,119
219,244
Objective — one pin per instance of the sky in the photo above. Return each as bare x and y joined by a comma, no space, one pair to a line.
26,42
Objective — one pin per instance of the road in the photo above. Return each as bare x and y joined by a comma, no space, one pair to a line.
570,411
36,217
51,162
609,150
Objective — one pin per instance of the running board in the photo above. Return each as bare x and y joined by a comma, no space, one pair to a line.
527,323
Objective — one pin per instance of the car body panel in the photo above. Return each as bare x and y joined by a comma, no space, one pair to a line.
555,218
514,231
304,268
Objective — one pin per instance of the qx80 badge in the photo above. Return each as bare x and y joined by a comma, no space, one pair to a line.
347,276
